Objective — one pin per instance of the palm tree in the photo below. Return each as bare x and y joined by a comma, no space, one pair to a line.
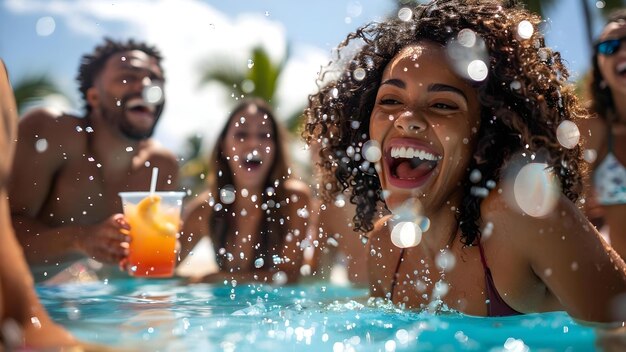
258,78
33,88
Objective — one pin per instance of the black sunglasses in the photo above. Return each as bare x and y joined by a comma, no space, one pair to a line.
609,46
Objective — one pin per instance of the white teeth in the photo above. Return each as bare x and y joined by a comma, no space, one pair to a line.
621,67
134,103
409,153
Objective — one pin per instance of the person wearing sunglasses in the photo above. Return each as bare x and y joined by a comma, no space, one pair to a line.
604,133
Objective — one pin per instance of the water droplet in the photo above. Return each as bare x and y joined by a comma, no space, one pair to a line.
227,194
467,37
590,155
424,223
250,63
152,94
568,134
303,213
475,176
305,270
371,151
536,189
600,4
41,145
405,14
359,74
45,26
445,261
525,29
516,85
340,201
477,70
441,289
279,278
406,234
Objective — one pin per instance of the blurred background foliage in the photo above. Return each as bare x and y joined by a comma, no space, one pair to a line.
259,77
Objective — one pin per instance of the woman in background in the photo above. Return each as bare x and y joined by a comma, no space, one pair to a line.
255,211
604,134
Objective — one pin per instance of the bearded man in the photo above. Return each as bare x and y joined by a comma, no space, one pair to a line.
69,169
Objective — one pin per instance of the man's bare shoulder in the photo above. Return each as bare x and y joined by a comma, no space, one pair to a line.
55,127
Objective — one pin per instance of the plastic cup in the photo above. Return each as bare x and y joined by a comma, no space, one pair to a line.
154,220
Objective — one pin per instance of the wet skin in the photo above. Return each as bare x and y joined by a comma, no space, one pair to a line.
423,104
18,299
64,197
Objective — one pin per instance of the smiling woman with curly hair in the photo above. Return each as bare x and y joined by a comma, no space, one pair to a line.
457,119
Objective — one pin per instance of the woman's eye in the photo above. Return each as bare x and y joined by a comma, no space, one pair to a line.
388,101
241,135
443,106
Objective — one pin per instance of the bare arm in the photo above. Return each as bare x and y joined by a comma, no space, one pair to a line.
195,224
577,260
18,300
297,228
564,254
32,177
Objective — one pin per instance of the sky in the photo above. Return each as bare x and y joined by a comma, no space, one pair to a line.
49,37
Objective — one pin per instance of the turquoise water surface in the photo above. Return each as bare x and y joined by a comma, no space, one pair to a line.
165,315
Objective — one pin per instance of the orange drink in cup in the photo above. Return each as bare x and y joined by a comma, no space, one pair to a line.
154,219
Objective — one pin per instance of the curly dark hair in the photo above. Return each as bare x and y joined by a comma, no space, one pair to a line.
601,100
92,64
523,100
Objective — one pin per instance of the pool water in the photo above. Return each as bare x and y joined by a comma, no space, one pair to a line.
166,315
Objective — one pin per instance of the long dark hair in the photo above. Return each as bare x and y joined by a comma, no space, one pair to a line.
523,100
221,177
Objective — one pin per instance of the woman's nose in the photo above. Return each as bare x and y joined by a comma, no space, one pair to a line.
410,122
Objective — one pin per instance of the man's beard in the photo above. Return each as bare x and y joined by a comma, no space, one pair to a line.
117,118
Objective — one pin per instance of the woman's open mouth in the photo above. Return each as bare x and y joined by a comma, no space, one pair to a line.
252,161
410,167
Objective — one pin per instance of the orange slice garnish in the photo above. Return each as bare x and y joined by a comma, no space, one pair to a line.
149,209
